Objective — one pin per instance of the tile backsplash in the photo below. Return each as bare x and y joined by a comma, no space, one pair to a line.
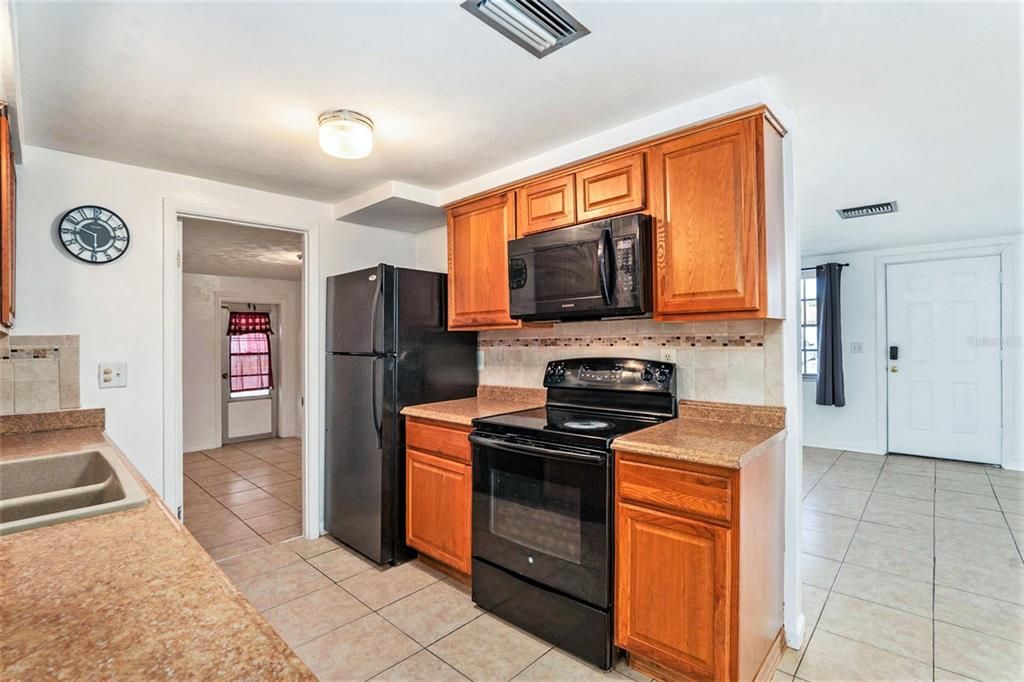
39,373
736,361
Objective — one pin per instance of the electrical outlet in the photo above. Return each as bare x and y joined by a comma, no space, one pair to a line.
668,355
113,374
856,346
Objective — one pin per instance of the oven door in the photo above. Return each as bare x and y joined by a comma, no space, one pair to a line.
544,513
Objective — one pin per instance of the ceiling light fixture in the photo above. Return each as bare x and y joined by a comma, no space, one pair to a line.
346,134
538,26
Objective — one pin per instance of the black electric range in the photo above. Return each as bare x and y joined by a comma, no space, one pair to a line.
542,499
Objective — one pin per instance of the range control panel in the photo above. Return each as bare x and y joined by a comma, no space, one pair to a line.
620,374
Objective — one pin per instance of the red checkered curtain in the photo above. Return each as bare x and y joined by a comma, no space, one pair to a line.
249,351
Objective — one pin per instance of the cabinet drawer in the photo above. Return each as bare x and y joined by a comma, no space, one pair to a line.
610,188
450,441
690,492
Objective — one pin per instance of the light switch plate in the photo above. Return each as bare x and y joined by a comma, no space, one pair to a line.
668,355
856,346
113,374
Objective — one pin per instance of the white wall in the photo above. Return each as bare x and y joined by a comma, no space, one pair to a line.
432,249
117,309
860,425
202,348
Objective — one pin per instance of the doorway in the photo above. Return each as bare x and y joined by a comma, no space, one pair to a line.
944,372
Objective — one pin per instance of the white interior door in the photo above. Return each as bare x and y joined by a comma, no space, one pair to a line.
945,395
249,414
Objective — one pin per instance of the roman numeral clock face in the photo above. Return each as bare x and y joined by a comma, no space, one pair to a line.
94,234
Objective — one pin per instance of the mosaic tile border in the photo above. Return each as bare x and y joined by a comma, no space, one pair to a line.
33,353
673,340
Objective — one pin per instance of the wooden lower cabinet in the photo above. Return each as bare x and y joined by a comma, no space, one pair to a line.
439,493
698,591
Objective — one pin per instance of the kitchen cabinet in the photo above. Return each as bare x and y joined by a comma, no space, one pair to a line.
610,188
546,205
717,208
478,236
698,568
7,220
439,492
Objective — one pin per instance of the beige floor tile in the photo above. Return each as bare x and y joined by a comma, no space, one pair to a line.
816,520
489,649
251,510
558,665
207,481
986,501
235,548
833,658
885,589
855,480
918,466
317,613
1004,582
891,478
216,453
311,548
880,626
791,658
269,479
779,676
268,522
977,485
421,667
919,492
222,534
947,676
901,538
340,563
261,468
884,502
433,612
358,650
847,502
232,500
982,614
1006,477
378,588
1016,521
812,600
229,487
283,534
977,655
824,544
900,519
986,517
818,571
914,565
281,585
208,518
286,488
261,560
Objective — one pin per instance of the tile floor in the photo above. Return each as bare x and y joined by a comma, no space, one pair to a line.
241,497
912,570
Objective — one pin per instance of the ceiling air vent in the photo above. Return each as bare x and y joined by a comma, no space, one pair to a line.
870,209
538,26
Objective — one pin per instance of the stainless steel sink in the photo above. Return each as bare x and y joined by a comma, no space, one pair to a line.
41,491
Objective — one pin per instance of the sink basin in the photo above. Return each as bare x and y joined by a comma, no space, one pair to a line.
41,491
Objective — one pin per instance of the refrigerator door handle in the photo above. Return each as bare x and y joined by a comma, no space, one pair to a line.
374,399
373,315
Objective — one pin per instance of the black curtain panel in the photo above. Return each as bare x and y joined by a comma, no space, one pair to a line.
831,390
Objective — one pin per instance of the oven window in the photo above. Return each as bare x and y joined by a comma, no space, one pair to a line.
539,514
567,272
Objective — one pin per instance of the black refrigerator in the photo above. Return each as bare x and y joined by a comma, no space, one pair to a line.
387,347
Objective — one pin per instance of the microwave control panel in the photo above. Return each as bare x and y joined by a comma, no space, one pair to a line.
625,265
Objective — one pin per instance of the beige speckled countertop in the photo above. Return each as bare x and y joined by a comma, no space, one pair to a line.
489,401
716,434
126,595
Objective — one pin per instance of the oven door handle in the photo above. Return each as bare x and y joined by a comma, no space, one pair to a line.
604,255
581,457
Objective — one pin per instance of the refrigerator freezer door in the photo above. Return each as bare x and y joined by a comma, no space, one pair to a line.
357,305
356,511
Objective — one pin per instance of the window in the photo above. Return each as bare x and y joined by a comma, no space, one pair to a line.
809,323
249,355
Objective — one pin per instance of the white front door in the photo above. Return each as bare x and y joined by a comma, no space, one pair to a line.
945,394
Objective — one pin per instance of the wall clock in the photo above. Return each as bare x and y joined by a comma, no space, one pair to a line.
93,234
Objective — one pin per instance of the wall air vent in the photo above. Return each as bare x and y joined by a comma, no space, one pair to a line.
538,26
870,209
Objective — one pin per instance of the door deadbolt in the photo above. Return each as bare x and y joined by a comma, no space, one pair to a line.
894,369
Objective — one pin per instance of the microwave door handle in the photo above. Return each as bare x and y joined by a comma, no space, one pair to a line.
534,450
604,246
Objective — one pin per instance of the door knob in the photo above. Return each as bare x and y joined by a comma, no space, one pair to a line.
894,369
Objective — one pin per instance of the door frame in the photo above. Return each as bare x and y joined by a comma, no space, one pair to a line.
221,302
1006,250
312,393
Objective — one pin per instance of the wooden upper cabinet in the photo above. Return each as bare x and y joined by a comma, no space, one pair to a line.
478,236
7,219
610,188
546,205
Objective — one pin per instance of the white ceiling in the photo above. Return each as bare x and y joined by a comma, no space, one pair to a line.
914,102
211,247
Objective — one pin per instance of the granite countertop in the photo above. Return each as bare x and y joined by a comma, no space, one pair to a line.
124,595
489,401
716,434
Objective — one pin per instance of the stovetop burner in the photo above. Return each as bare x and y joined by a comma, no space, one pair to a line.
586,425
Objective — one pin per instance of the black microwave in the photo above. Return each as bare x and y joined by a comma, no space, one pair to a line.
590,271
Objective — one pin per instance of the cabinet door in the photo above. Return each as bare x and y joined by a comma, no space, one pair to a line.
546,205
672,585
438,509
708,235
610,188
478,235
